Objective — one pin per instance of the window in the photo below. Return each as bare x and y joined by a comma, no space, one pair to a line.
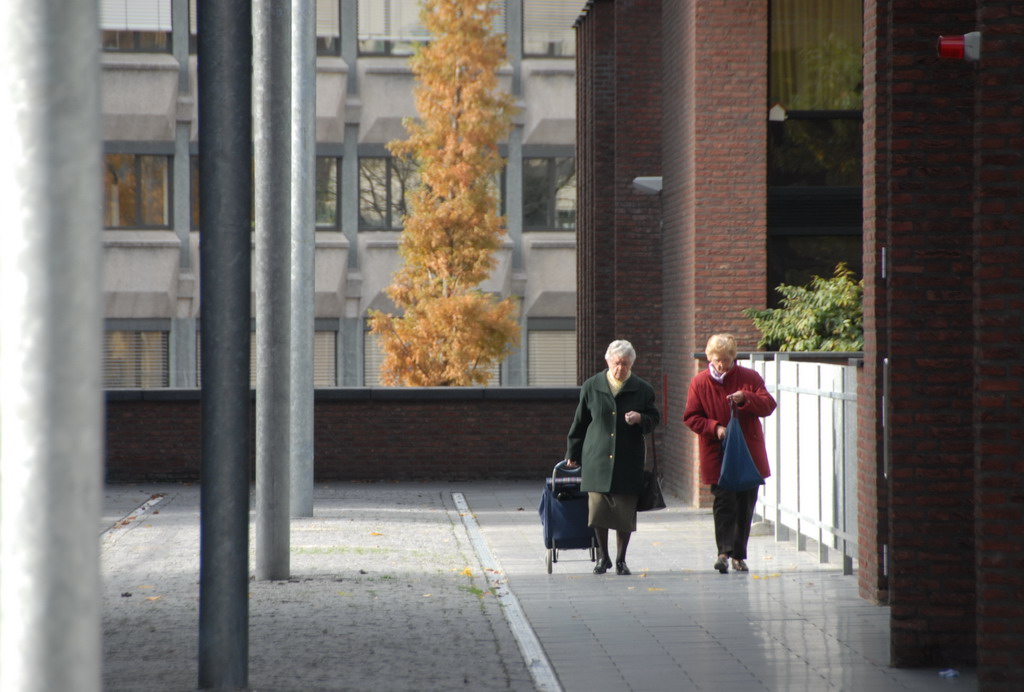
384,186
135,359
551,358
814,140
325,361
549,194
389,27
392,27
138,26
136,191
327,193
548,27
328,27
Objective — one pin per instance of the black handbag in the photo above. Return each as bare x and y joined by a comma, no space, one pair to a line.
651,497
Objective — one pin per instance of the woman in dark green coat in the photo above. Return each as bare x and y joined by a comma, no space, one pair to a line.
616,410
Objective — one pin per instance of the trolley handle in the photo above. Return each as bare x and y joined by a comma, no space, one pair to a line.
561,466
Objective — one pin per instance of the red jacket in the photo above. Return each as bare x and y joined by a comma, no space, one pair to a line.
707,408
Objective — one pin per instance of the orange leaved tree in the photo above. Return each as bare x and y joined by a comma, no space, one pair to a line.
449,332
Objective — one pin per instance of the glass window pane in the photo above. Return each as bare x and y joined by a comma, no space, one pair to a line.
816,48
325,359
548,27
328,27
154,190
536,193
814,153
404,179
552,358
565,193
326,192
119,184
193,178
794,259
135,359
373,192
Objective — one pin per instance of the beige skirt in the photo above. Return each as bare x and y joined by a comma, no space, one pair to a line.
613,511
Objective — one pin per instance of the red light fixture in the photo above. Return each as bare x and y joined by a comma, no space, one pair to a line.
963,47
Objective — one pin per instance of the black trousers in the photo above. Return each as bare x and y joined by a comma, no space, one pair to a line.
733,512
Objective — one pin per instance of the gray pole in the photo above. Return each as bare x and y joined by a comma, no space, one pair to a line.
272,128
51,317
225,199
303,195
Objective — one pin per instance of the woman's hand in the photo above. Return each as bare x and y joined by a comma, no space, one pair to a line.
570,464
632,418
737,397
720,431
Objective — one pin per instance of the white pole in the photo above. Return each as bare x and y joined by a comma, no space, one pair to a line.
51,329
272,141
303,195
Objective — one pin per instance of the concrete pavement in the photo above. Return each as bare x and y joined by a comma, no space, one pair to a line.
443,586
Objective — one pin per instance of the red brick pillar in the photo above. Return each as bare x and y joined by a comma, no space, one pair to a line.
920,168
595,165
999,343
872,496
618,229
714,194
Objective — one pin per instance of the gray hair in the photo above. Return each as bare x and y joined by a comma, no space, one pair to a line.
620,347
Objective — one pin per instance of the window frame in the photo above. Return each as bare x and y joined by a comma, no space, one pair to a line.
550,211
138,189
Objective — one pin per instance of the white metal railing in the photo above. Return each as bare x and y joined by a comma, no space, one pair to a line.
812,448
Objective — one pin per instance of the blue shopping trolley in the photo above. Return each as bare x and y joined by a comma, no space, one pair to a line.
563,514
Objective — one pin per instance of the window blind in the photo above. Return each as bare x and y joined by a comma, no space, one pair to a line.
135,15
135,360
399,20
324,359
551,359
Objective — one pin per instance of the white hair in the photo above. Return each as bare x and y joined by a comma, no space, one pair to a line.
620,347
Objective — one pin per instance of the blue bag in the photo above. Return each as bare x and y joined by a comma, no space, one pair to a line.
738,470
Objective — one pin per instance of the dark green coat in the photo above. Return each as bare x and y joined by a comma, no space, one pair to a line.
610,450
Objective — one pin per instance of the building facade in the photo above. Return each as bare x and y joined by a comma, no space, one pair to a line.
758,177
363,91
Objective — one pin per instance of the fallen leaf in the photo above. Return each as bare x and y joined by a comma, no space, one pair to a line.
467,572
153,598
655,588
374,533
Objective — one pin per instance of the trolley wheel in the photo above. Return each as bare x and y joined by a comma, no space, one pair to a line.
549,559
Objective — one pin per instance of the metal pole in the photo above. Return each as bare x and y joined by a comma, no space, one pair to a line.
303,194
51,397
225,146
272,128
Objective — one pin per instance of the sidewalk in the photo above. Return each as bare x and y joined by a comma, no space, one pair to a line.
395,587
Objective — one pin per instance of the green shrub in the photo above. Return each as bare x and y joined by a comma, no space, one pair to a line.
826,315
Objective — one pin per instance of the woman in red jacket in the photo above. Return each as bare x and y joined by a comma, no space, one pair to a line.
712,394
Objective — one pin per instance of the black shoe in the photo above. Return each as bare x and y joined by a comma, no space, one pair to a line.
620,567
602,566
722,565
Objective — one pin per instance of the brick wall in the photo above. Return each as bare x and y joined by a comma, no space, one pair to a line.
999,342
362,434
